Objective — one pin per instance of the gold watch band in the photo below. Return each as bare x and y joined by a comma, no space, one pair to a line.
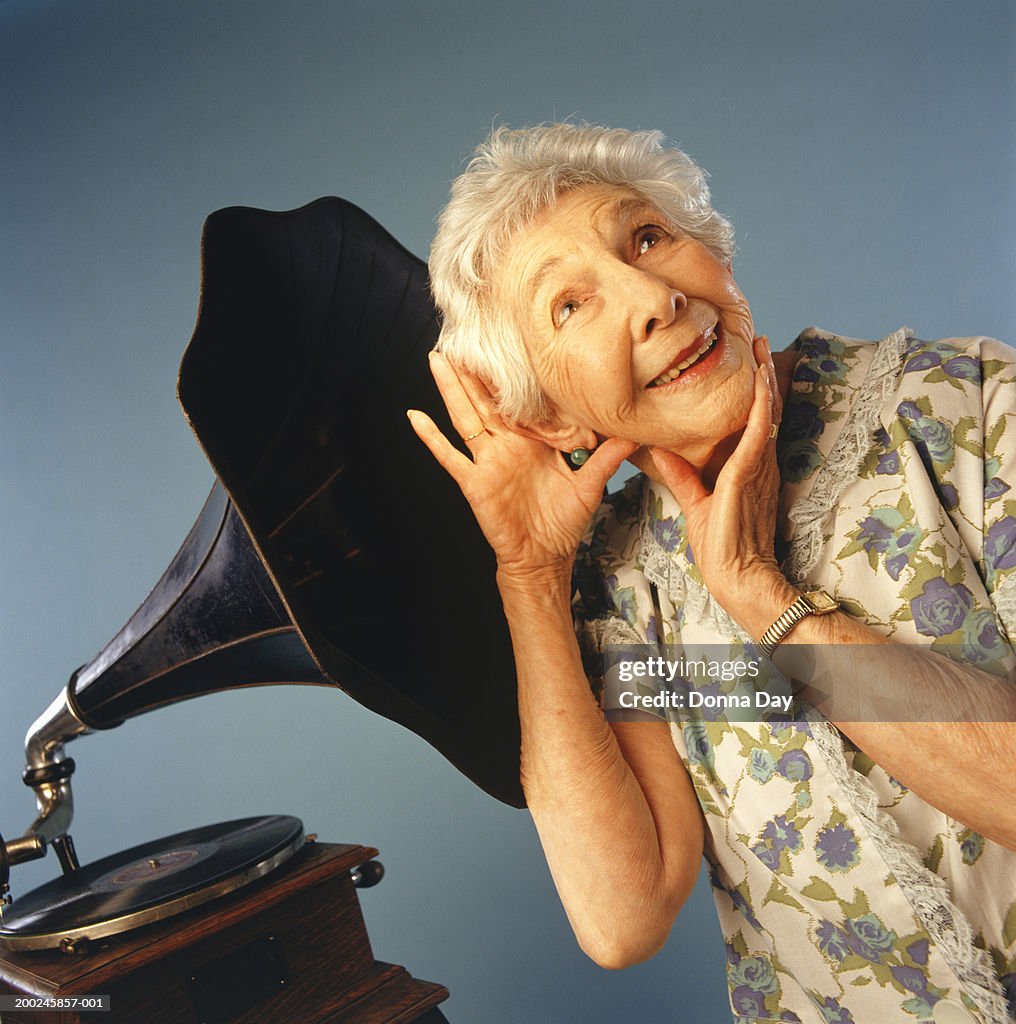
809,602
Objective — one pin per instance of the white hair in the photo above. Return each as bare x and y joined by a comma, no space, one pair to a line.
512,177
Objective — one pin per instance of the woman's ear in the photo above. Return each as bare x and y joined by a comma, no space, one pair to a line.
563,437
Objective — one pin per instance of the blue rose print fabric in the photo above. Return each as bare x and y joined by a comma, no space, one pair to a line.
843,897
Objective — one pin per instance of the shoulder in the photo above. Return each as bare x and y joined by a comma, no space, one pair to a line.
976,359
955,379
824,358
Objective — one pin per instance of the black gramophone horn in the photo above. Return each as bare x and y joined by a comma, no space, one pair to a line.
333,549
213,622
311,343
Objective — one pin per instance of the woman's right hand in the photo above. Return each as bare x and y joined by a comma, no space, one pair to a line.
532,508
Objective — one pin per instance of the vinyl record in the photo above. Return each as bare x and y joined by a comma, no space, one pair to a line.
150,882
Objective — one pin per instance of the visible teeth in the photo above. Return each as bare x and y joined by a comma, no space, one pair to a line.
675,371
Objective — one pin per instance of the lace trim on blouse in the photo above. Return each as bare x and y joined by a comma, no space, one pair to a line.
606,632
927,893
661,569
1004,601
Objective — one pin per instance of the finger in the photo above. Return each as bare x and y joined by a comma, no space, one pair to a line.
764,357
758,349
680,477
450,458
759,428
774,383
465,418
480,396
751,449
605,462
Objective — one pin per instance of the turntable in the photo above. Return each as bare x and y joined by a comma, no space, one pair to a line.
311,341
149,883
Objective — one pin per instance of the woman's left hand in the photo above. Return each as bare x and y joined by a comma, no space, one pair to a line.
731,529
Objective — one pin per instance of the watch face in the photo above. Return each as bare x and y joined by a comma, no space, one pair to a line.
820,601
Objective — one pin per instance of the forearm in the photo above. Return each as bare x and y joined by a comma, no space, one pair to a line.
622,861
941,727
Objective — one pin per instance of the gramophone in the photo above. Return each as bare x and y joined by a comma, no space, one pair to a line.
311,342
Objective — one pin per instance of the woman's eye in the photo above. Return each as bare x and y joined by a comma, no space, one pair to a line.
647,237
565,310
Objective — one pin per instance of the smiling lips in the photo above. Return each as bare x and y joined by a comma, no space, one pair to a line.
702,348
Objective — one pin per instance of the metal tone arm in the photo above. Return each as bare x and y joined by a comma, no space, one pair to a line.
48,770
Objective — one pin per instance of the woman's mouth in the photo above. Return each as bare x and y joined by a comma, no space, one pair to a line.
691,360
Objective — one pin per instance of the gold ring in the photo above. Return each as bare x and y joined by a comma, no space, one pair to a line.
773,431
482,430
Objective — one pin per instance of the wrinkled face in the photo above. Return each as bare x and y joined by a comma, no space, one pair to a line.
634,329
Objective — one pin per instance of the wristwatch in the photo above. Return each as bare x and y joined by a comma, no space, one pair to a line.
808,602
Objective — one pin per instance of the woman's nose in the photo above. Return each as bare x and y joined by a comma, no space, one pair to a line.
654,304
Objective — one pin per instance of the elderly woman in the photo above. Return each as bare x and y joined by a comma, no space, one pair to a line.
862,871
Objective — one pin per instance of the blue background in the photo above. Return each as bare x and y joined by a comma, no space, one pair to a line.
865,152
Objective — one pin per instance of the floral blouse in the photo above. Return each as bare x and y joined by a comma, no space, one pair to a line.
842,896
